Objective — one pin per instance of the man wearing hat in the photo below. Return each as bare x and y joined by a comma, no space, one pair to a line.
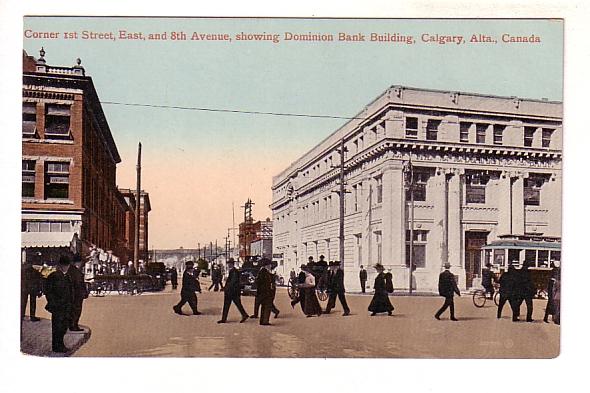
231,293
188,291
60,298
487,279
79,290
265,290
336,288
447,287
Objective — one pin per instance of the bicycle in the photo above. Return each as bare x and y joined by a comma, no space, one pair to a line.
480,296
97,288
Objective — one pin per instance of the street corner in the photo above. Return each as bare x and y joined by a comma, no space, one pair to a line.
36,339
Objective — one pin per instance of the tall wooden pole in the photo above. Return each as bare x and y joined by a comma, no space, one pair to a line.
137,210
342,195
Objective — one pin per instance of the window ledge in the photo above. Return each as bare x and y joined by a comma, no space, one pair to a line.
49,201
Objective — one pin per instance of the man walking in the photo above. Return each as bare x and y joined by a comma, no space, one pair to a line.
174,278
274,308
265,291
525,291
30,290
363,278
507,282
79,291
447,287
231,293
188,291
336,288
60,297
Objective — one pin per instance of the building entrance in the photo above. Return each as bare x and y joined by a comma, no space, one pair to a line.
474,241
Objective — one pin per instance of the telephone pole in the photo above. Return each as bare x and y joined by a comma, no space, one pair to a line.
342,193
137,210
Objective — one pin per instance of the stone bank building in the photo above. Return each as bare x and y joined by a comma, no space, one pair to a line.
482,167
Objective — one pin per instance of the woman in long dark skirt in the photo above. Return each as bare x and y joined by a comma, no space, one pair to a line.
553,292
311,303
380,302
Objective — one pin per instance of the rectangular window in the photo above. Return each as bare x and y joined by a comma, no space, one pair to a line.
28,181
44,227
480,133
532,190
419,255
543,258
546,137
419,185
432,130
475,187
464,131
529,134
379,195
498,133
29,119
57,121
412,127
57,179
378,240
359,249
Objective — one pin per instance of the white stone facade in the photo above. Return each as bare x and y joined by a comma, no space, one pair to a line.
484,166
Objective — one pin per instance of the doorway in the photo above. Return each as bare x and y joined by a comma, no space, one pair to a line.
474,241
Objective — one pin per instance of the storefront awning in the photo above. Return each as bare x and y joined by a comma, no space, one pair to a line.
46,239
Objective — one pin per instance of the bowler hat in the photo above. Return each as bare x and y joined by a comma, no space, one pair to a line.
64,260
378,266
189,264
447,265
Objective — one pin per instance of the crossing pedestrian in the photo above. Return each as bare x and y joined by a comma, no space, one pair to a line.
336,288
265,291
447,287
80,292
231,293
174,278
301,294
190,285
507,282
274,308
30,290
380,302
550,309
311,304
525,291
60,298
363,278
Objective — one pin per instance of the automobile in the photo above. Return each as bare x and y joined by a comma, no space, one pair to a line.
248,281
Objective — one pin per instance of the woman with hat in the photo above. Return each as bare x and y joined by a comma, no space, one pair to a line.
311,304
380,302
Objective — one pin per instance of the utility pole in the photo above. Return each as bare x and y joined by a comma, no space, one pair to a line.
410,184
137,209
342,193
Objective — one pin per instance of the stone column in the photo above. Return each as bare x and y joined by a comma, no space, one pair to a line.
368,252
393,213
537,137
394,125
551,198
504,198
437,238
518,204
514,134
449,129
454,229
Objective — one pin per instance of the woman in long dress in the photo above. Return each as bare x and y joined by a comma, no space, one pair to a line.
311,305
380,302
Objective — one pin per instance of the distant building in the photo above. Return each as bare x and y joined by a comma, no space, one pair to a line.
480,167
255,237
70,202
144,209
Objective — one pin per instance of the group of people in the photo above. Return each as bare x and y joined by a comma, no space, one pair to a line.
65,290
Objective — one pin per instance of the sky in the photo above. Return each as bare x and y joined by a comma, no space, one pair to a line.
197,164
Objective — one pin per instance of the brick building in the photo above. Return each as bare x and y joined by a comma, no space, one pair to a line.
69,163
144,209
481,167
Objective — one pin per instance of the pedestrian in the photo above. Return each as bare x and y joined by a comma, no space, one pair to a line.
363,278
231,293
30,290
507,282
265,290
556,295
190,285
525,291
60,297
216,278
131,271
174,278
80,292
550,309
300,293
487,280
447,287
336,288
274,308
311,304
380,302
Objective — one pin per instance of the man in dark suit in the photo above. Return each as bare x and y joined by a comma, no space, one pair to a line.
190,286
487,280
265,291
30,289
231,293
80,293
336,288
274,308
174,278
507,282
60,298
525,291
447,287
363,278
301,295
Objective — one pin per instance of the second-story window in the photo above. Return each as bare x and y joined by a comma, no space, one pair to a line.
419,187
475,187
29,120
28,182
498,133
546,137
412,127
529,134
464,131
379,189
432,129
57,180
57,121
532,190
480,133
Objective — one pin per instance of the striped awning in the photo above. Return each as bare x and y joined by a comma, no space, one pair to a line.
46,239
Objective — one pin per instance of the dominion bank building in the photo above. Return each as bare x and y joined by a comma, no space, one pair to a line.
479,168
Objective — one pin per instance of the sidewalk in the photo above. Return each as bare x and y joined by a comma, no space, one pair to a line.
36,339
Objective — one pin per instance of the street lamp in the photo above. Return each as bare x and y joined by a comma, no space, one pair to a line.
409,185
